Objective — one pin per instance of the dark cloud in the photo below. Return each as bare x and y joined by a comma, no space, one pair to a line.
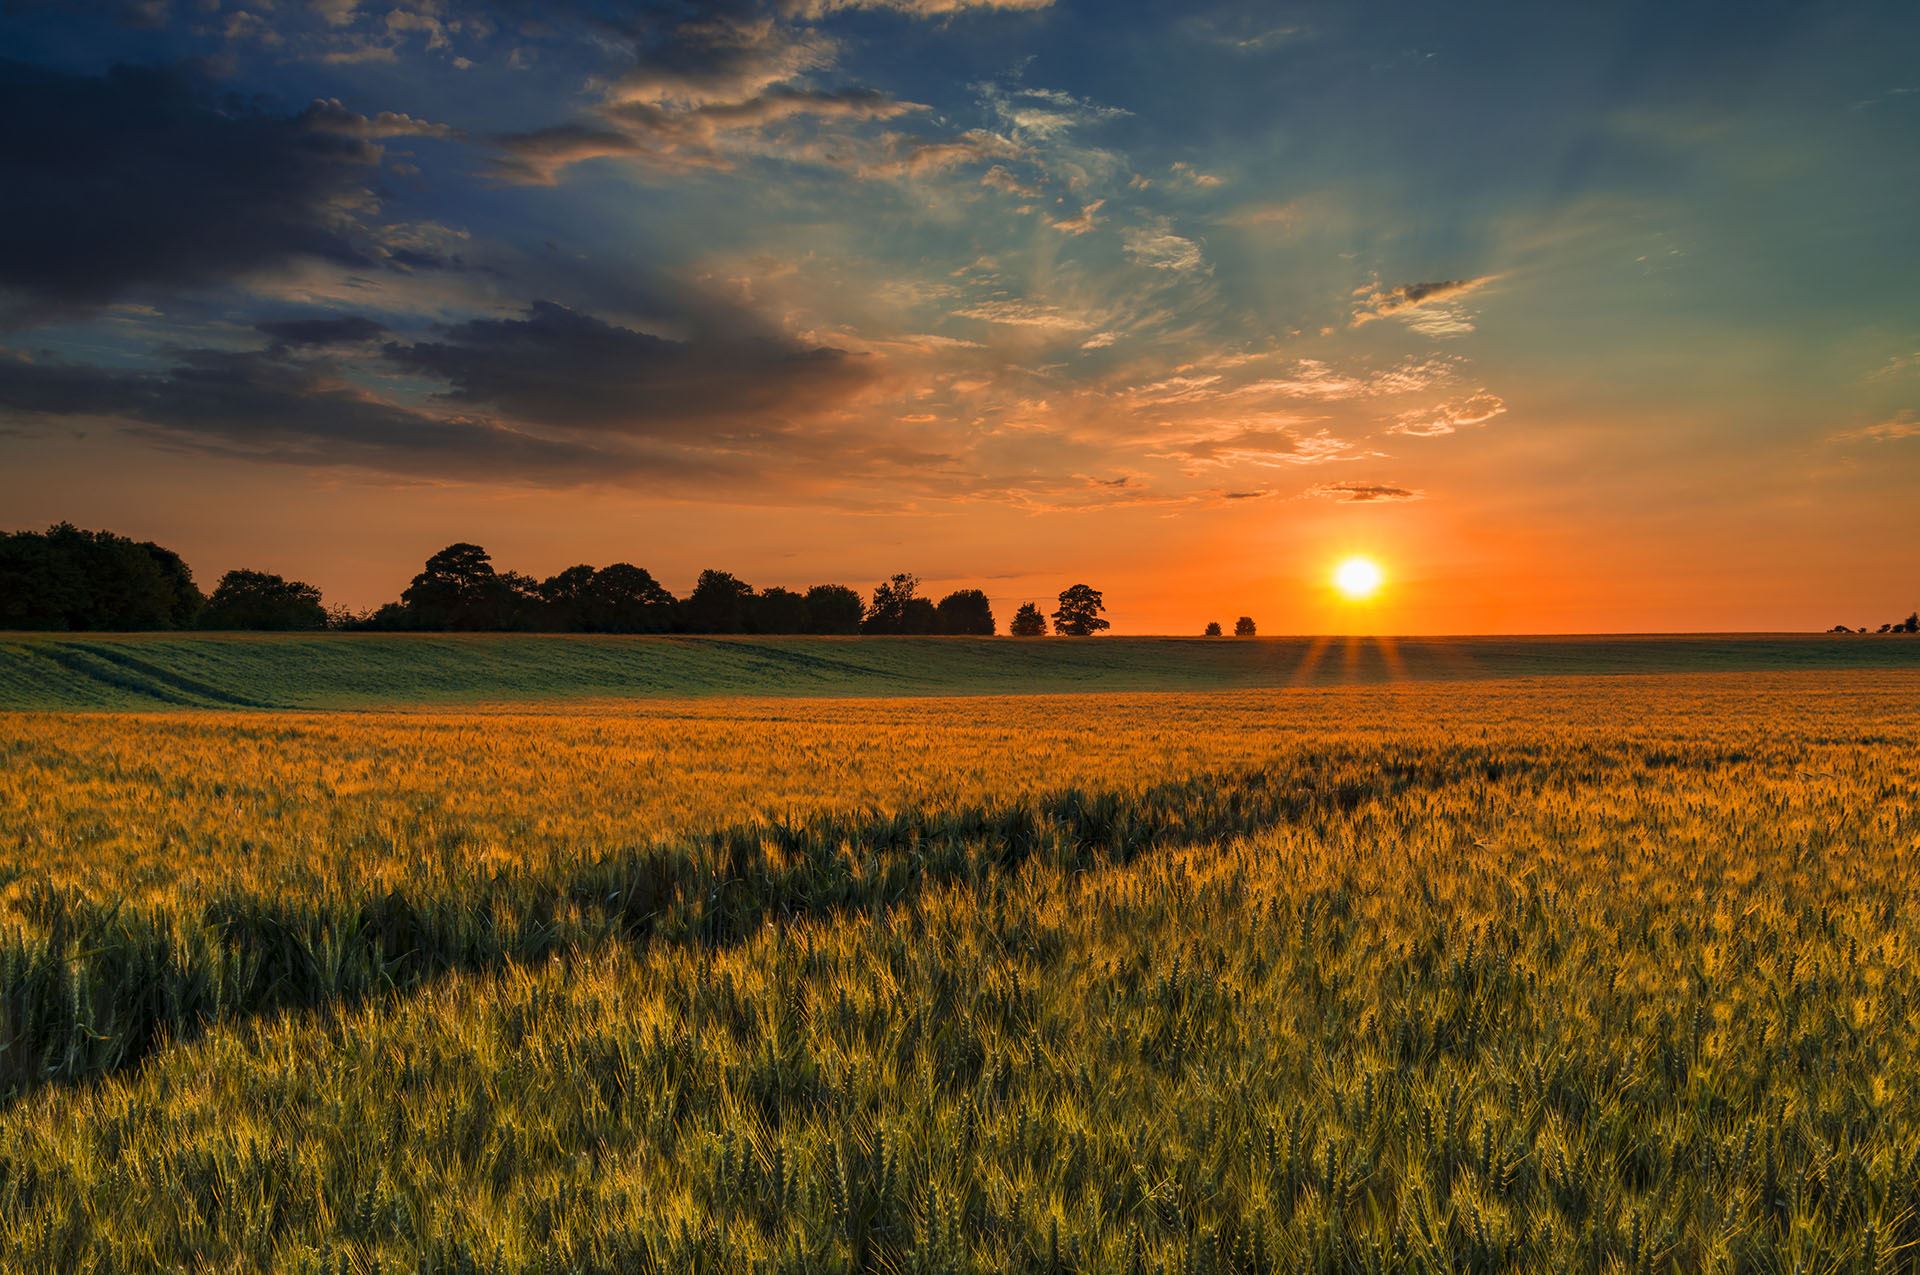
1382,303
268,405
346,329
560,367
1358,493
140,180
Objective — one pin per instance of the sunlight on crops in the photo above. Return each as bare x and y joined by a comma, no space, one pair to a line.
1576,975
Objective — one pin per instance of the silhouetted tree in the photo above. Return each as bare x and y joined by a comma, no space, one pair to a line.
718,604
66,578
1911,624
458,589
833,608
920,617
261,600
777,610
965,612
1244,627
1079,613
565,599
892,610
1213,629
186,596
623,598
1028,622
519,603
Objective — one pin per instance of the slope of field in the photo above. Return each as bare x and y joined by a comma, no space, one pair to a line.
1603,974
39,671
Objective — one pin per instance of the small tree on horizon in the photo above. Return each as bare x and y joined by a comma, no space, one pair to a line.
1079,613
1028,622
1213,629
1244,627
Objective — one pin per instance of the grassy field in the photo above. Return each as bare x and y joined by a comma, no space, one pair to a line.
270,671
1609,973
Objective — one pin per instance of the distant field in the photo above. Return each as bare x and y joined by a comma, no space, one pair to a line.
39,671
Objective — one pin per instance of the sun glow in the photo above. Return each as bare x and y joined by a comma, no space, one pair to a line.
1358,578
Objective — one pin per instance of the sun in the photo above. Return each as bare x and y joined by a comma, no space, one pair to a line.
1358,578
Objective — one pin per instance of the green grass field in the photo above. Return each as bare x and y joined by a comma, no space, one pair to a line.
364,671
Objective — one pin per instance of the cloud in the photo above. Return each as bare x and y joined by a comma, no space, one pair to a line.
1268,447
1025,314
559,367
705,92
714,134
535,158
135,181
1361,493
1314,379
813,10
716,59
1082,222
1407,299
1044,115
1186,173
346,329
327,115
1905,425
916,156
1446,418
998,178
1157,246
265,405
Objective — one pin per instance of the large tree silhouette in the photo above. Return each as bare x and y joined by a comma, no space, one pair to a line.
458,589
965,612
833,608
1079,613
718,603
262,600
66,578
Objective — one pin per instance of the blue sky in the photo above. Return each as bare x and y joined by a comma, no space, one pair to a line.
1576,316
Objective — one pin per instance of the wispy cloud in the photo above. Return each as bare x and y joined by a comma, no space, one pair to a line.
1083,221
1449,417
1905,425
1155,245
1362,493
1415,302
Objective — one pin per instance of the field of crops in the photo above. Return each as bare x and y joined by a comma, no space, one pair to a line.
280,671
1547,973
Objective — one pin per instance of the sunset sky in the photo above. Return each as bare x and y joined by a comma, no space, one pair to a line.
1573,320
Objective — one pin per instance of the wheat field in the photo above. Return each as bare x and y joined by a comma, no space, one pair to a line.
1609,974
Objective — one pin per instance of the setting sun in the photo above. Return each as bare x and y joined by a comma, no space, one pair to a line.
1358,578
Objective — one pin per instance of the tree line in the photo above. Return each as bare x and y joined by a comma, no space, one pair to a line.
69,579
1909,625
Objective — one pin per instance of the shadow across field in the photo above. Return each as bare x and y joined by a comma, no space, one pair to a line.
95,987
139,671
